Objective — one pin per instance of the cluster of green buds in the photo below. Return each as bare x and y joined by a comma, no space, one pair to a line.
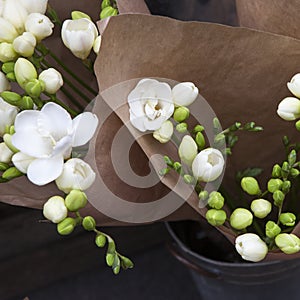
58,209
108,9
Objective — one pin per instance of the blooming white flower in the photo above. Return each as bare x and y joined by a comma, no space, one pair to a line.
35,6
289,109
5,153
22,161
55,209
188,150
150,104
76,175
251,247
164,133
79,36
8,32
97,44
24,44
184,93
7,52
4,83
47,137
208,165
294,85
15,13
7,115
39,25
24,71
52,79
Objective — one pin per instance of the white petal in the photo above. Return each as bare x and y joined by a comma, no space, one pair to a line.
26,119
22,161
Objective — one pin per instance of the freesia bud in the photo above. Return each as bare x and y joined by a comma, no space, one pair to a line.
188,179
11,173
208,165
15,13
294,85
184,93
35,6
7,140
276,172
89,223
79,36
11,97
289,109
8,114
76,14
182,127
200,140
55,209
105,3
215,200
297,125
108,11
34,88
66,226
52,80
250,186
11,76
75,200
251,247
39,25
181,113
287,219
76,175
294,172
97,44
8,32
7,52
203,195
261,208
272,229
187,150
100,240
24,71
288,243
216,217
241,218
3,167
5,153
4,83
274,185
25,44
8,67
278,197
164,133
198,128
26,103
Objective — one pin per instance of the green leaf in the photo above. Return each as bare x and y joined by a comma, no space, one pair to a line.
249,172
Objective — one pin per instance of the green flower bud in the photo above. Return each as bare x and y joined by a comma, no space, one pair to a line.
105,3
24,71
198,128
11,98
177,167
285,169
272,229
215,200
181,113
286,186
294,172
250,186
89,223
7,141
34,87
274,185
287,219
66,226
164,171
108,12
217,125
110,257
76,14
188,179
261,208
8,67
11,130
11,76
241,218
216,217
182,127
11,173
220,139
276,172
168,161
200,140
26,103
278,198
292,157
288,243
100,240
203,195
75,200
7,52
116,265
3,166
297,125
126,263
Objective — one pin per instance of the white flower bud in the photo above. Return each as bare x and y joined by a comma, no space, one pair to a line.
164,133
294,85
79,36
25,44
289,109
76,175
187,150
5,153
35,6
251,247
208,165
8,114
4,83
15,13
8,32
52,79
7,52
55,209
97,44
24,71
39,25
184,93
261,208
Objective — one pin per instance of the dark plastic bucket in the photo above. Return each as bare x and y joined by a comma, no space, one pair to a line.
217,279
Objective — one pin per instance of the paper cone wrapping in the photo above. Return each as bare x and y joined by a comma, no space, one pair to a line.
276,16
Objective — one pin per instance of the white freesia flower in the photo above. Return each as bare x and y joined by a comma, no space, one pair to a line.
289,109
24,44
76,175
7,52
7,115
15,13
47,137
184,93
1,7
5,153
39,25
24,71
52,79
165,132
4,83
22,161
150,104
79,36
8,32
55,209
188,150
35,6
294,85
208,165
251,247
